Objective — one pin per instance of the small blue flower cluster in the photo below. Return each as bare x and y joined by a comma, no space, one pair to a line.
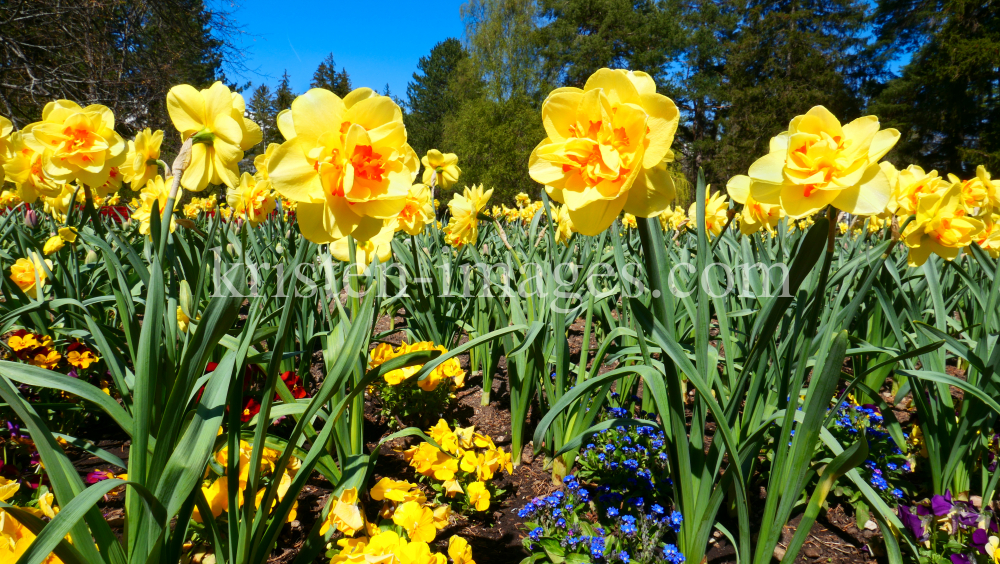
603,527
887,462
627,460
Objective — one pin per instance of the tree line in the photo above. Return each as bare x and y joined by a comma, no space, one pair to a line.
739,70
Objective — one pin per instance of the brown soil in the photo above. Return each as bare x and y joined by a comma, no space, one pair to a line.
495,536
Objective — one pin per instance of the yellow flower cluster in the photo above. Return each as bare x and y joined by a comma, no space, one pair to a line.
15,538
406,507
252,200
217,492
197,206
673,219
465,458
449,371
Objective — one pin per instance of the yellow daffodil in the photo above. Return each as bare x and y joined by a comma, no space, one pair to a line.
440,169
989,237
156,190
215,118
53,244
463,228
628,221
915,183
379,245
479,496
78,144
716,213
606,148
940,227
46,503
416,520
24,167
251,200
182,320
522,200
143,152
30,276
459,550
564,225
755,215
348,165
6,129
261,162
819,162
979,194
418,210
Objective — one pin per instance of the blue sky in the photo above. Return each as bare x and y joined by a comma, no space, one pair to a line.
378,41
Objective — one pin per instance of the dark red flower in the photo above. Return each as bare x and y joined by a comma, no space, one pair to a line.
251,407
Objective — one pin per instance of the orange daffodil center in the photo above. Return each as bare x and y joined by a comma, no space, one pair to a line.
345,163
607,149
819,162
74,143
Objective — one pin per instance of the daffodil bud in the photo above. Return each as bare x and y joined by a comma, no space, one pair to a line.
279,249
91,257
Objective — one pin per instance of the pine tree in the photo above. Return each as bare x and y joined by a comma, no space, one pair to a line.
945,103
699,84
283,95
789,56
326,76
582,36
430,100
261,110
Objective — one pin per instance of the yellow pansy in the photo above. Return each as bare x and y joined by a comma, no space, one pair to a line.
77,143
215,118
606,148
442,516
24,273
143,152
217,495
479,496
396,490
347,165
444,436
440,169
344,514
8,488
463,228
940,227
416,520
352,550
459,550
819,162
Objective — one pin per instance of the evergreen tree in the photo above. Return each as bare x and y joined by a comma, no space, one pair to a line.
699,84
283,95
430,99
945,103
789,56
492,138
326,76
261,110
582,36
